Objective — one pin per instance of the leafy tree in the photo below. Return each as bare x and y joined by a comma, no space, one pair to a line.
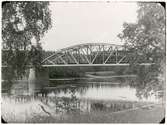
146,38
23,25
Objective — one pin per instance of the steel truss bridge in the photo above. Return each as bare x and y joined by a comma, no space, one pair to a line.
90,54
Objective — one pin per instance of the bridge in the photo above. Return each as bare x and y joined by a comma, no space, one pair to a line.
90,54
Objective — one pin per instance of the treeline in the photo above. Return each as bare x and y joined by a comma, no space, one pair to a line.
58,72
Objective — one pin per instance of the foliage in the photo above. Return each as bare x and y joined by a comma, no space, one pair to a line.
147,38
23,25
58,72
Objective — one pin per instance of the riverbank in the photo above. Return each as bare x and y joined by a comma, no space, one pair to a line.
143,115
37,112
112,76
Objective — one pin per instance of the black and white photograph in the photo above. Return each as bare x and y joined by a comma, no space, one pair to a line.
83,62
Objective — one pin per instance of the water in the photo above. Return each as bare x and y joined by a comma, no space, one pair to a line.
75,95
98,91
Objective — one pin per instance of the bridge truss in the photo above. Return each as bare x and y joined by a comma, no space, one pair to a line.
90,54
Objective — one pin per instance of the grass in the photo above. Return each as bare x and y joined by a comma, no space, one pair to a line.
153,115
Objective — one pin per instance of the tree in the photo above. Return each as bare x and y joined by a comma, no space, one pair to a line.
23,25
146,38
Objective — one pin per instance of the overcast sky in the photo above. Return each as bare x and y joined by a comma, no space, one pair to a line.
86,22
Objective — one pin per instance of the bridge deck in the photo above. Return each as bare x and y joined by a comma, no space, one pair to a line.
71,65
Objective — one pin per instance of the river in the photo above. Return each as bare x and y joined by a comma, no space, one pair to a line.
75,95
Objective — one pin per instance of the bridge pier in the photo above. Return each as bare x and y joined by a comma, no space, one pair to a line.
37,80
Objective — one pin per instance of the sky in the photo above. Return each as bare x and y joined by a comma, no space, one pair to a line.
87,22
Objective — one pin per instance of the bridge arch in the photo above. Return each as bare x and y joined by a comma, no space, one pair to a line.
88,54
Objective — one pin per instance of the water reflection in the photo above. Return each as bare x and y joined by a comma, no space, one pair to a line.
81,95
98,91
